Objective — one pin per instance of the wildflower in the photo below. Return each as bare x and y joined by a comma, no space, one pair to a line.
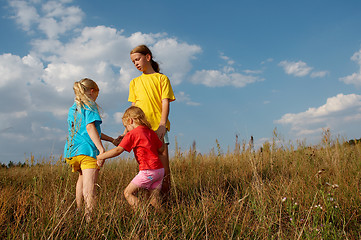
284,199
334,186
319,172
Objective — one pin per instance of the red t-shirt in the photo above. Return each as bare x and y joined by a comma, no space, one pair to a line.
145,144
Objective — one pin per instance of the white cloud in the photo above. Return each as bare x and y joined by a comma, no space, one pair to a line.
224,77
14,69
248,71
319,74
227,59
25,14
118,117
174,57
39,85
267,61
53,18
300,69
354,78
227,76
336,114
183,97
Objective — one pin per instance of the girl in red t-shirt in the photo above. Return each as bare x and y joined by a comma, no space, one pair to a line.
146,147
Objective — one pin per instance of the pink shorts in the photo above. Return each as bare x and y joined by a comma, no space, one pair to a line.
149,179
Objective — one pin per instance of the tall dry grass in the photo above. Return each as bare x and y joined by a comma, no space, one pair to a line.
277,192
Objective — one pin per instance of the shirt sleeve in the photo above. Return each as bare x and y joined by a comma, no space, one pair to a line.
91,115
127,143
167,91
131,97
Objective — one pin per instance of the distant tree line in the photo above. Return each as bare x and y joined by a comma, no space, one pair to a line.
12,164
354,141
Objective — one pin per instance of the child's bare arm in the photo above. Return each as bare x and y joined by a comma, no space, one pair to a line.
109,154
108,138
163,121
94,136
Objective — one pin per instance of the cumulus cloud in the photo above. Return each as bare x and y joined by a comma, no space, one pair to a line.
59,18
300,69
227,76
24,14
39,85
52,18
336,114
354,78
174,56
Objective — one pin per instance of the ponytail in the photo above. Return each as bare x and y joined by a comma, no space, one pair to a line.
155,65
81,88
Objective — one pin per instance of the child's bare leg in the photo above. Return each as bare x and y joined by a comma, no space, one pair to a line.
129,194
79,191
166,185
155,198
90,177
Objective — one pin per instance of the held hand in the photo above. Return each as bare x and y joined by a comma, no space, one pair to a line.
101,150
100,162
118,140
161,131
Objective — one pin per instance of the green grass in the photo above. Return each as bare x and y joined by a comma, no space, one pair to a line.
281,192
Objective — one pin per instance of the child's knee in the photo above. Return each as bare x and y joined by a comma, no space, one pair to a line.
126,193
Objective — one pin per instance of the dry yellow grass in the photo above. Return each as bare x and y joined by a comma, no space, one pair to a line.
281,191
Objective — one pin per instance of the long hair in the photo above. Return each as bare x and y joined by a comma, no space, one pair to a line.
143,49
137,115
81,88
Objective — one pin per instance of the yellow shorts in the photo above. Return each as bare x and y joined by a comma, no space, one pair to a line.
82,162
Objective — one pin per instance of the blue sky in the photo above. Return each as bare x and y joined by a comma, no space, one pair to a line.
237,68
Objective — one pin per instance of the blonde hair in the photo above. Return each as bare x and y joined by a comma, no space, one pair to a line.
81,88
143,49
137,115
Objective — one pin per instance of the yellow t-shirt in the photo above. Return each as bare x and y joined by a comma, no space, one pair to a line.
147,92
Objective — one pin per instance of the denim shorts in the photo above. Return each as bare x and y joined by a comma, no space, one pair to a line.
166,138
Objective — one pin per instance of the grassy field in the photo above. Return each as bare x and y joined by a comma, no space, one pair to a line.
276,192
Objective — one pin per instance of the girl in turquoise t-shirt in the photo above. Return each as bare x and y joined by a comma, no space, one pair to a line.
84,141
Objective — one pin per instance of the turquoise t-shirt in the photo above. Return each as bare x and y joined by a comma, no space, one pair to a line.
78,141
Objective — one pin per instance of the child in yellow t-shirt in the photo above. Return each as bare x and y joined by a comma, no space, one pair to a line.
152,92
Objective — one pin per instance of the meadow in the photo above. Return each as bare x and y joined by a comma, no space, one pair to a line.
279,191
